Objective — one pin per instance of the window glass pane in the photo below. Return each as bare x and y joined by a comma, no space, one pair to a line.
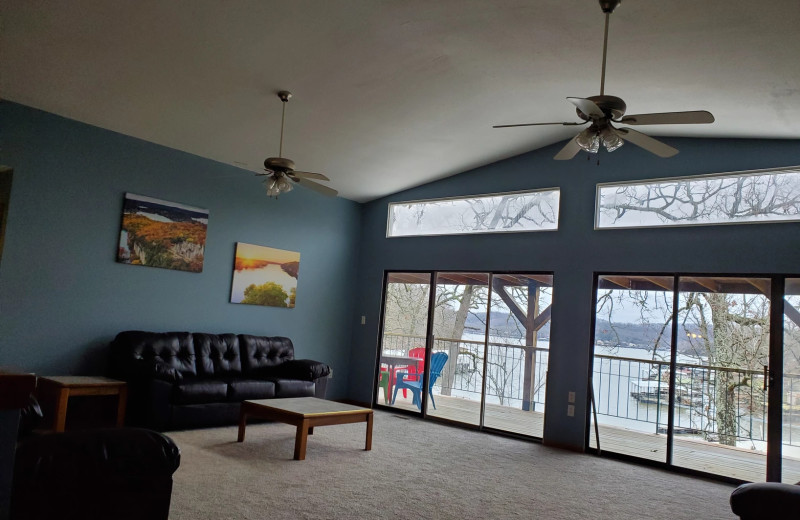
518,352
724,337
790,447
405,323
763,196
459,329
505,212
632,341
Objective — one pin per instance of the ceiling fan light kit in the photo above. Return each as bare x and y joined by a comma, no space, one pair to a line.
603,110
279,171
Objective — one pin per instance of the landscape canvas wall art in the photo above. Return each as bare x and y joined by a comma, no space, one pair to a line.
159,233
264,276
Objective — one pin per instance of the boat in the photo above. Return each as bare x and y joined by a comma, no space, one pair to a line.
651,392
657,392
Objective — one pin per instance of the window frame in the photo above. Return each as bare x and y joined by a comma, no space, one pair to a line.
706,176
555,189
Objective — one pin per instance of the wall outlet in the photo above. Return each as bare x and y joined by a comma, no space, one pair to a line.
571,410
571,397
363,320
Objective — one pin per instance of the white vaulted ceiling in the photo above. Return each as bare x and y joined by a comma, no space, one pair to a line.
390,94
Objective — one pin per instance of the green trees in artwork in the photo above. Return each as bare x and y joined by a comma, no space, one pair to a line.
269,293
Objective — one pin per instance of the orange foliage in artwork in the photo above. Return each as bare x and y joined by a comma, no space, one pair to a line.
167,233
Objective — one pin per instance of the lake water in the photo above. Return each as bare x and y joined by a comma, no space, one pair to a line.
271,273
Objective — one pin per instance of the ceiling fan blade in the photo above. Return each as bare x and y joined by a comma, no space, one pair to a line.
310,175
645,141
538,124
587,106
330,192
695,117
569,151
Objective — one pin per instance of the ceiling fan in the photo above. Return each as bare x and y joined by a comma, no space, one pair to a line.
601,111
280,170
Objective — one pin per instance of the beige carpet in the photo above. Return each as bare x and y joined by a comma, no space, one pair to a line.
420,470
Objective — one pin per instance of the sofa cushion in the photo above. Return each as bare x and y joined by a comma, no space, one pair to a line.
259,353
217,354
242,390
136,353
196,392
293,388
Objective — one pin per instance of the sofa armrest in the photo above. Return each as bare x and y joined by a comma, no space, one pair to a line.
764,500
304,369
120,473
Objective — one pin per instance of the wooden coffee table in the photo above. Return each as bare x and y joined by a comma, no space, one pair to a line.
305,413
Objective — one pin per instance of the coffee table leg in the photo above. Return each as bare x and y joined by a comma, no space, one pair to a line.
368,446
122,400
311,430
242,424
300,441
62,400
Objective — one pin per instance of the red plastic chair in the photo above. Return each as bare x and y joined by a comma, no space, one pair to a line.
412,371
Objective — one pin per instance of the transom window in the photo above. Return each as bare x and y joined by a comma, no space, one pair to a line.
728,198
495,213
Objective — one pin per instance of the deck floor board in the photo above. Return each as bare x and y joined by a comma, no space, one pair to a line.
704,456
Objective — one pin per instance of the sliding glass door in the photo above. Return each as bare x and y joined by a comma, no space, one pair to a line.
631,368
790,399
403,341
518,352
721,408
695,372
458,354
482,360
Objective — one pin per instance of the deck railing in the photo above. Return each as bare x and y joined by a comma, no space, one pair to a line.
508,368
633,392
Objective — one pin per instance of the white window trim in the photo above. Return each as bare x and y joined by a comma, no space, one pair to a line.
464,197
744,173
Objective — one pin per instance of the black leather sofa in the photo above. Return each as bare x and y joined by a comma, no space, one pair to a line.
180,380
766,500
119,473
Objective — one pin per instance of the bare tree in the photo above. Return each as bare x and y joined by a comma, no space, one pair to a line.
710,200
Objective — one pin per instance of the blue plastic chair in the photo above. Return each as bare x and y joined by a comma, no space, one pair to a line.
438,359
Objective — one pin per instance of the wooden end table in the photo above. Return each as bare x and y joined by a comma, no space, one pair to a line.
58,389
305,413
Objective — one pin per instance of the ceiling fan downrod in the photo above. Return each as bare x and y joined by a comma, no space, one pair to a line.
608,7
284,96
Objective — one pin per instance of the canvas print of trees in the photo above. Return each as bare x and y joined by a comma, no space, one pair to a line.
159,233
264,276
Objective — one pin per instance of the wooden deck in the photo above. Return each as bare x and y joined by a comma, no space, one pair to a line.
704,456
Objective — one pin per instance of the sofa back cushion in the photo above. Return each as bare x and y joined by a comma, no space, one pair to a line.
136,353
217,354
260,353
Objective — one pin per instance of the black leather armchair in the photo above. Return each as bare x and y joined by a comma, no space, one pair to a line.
766,500
119,473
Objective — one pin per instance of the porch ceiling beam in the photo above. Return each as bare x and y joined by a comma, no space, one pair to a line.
708,283
499,289
542,319
660,282
622,281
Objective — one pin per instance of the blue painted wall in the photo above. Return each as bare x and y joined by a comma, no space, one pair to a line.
576,251
63,296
